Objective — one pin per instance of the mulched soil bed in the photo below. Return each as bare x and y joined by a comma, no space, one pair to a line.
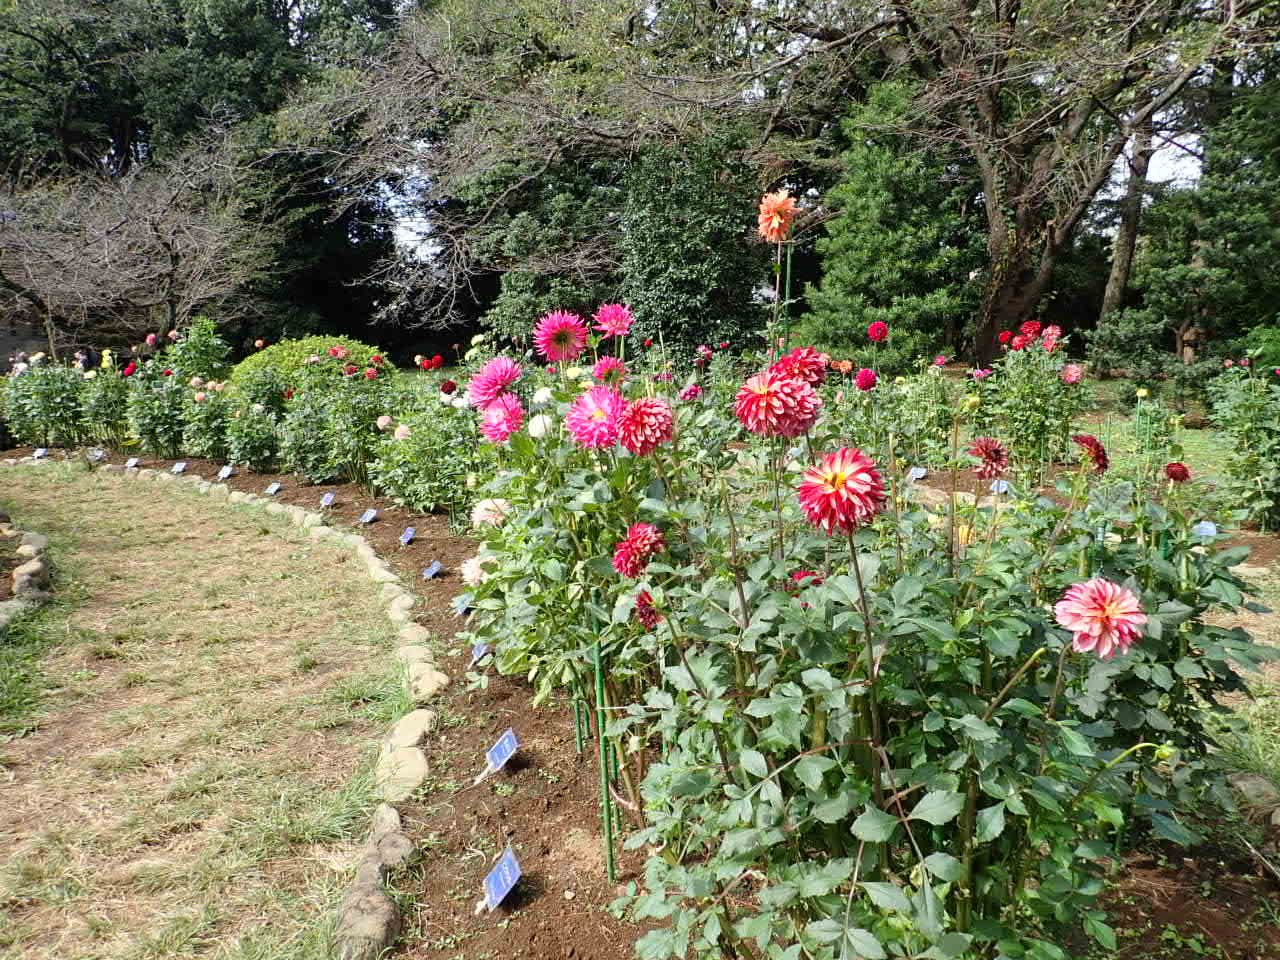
546,805
8,562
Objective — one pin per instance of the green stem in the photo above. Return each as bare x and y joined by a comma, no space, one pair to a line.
606,802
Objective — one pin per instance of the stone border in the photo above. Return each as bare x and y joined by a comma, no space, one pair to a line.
30,578
368,919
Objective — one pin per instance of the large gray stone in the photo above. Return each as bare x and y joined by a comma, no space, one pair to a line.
36,540
400,771
368,923
425,681
414,633
34,571
412,729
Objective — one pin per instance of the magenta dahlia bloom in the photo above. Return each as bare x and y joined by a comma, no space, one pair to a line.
1071,374
877,331
560,336
492,381
593,418
614,319
693,391
993,458
865,379
804,363
1103,617
610,371
632,555
502,418
772,404
843,492
644,424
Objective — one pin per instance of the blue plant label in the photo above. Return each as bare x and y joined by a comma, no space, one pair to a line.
273,489
406,538
999,486
368,516
327,500
226,472
917,473
501,880
40,453
502,751
461,604
1205,528
179,467
131,463
432,570
479,652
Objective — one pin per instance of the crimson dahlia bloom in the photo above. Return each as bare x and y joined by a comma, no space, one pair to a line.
1177,472
1005,336
1103,617
777,211
492,381
843,492
865,379
804,363
1093,448
691,392
877,331
614,319
371,374
645,611
502,418
632,555
593,418
560,336
771,404
644,424
1030,329
992,456
447,387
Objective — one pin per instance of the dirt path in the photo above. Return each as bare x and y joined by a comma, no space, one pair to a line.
199,770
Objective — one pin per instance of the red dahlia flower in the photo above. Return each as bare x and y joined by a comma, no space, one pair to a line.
645,611
865,379
843,492
1093,448
773,405
371,374
1177,472
877,331
644,424
632,555
804,363
447,387
1005,336
1030,329
130,369
992,456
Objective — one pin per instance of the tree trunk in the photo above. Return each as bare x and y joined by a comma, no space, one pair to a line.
1130,216
1014,289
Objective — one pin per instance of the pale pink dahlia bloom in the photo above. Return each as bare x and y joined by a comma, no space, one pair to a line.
384,423
491,512
492,381
473,571
610,371
1104,617
502,418
1071,373
560,336
614,319
403,432
632,555
843,492
644,424
772,404
593,418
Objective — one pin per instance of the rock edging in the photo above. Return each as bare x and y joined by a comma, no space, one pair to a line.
368,919
31,578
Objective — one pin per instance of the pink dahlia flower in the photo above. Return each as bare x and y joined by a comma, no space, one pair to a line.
403,432
473,571
152,339
1049,340
492,381
693,391
1103,617
610,371
774,405
384,422
804,363
200,397
865,379
1071,374
491,512
632,555
560,336
877,331
940,360
843,492
993,458
593,418
502,418
1020,342
614,319
644,424
981,373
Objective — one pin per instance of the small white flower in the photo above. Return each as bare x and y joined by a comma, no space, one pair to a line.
259,408
479,338
459,403
473,572
542,395
539,426
490,512
573,373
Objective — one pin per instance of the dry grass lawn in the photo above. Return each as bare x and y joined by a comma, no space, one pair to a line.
196,774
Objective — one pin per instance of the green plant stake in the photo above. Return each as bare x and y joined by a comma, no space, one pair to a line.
606,803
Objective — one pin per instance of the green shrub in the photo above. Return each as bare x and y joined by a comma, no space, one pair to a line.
1247,409
205,418
251,436
1263,345
105,401
288,358
155,406
428,470
43,405
306,440
200,352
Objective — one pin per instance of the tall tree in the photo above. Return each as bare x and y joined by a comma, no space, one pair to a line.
1126,237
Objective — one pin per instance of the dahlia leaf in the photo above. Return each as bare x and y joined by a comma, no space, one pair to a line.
938,807
990,823
888,896
874,825
754,763
944,866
